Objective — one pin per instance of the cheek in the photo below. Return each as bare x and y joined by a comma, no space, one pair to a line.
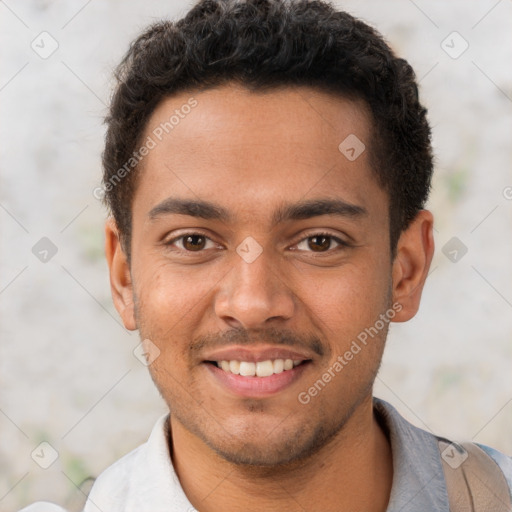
346,309
162,305
168,292
349,301
170,304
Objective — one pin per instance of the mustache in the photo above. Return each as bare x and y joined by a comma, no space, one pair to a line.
242,336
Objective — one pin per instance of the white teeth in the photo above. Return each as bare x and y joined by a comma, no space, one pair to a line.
247,369
234,367
259,369
264,368
278,366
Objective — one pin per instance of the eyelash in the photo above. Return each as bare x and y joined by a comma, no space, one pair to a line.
339,241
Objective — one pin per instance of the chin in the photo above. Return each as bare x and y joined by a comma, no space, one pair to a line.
256,455
281,447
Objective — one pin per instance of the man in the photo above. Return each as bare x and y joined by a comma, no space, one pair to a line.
267,165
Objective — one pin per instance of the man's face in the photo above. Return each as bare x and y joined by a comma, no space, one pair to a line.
297,286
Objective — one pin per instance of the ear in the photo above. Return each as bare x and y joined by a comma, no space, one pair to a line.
415,249
120,276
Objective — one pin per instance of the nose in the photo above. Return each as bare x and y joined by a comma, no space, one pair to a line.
254,294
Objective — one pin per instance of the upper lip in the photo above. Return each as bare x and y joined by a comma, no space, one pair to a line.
256,354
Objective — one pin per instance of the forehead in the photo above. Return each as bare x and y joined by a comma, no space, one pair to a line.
247,149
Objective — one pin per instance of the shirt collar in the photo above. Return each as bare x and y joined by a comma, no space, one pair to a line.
418,477
154,472
145,479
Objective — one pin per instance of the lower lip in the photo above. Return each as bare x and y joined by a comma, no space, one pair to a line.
257,386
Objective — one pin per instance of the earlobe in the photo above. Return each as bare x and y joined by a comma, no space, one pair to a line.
414,254
120,276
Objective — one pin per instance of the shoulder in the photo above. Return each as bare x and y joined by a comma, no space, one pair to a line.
110,488
121,485
429,469
113,484
115,474
503,461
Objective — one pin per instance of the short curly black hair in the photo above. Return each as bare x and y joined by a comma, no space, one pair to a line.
265,44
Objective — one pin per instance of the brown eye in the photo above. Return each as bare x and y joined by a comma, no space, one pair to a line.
194,242
319,243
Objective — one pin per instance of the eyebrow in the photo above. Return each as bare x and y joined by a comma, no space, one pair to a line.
291,211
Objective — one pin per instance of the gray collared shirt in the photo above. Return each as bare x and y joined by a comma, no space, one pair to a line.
145,481
418,476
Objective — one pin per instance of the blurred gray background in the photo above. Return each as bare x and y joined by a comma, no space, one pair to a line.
68,375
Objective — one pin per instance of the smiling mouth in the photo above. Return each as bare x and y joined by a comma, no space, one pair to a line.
259,369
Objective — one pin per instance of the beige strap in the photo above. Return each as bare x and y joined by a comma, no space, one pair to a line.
474,481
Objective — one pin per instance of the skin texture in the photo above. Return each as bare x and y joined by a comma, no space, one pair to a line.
250,153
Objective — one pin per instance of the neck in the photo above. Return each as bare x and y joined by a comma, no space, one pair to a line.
352,472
